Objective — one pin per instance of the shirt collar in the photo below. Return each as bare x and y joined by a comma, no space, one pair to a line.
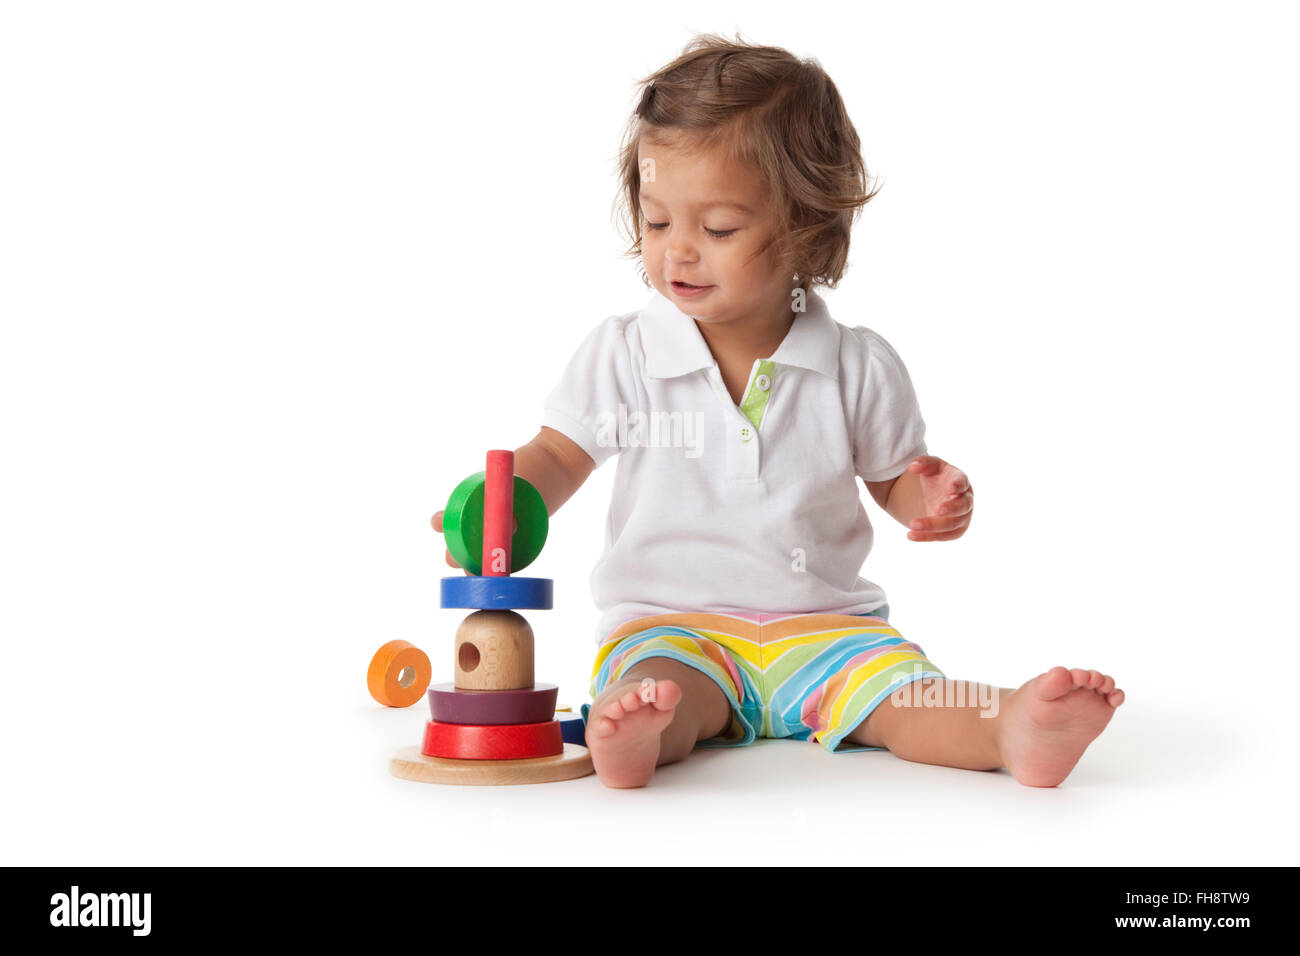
674,346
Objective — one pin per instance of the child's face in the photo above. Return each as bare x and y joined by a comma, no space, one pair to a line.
694,231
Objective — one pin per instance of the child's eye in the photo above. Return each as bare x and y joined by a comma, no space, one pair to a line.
715,233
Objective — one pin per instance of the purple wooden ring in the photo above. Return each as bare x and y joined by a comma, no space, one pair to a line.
530,705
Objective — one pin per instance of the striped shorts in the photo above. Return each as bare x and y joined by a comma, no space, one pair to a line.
806,676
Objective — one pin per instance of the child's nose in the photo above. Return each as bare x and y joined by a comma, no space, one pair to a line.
681,250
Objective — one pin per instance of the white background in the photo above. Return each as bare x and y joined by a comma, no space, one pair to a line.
274,276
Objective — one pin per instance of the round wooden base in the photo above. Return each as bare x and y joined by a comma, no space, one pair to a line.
409,764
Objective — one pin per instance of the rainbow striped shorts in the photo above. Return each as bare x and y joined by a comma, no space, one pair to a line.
805,676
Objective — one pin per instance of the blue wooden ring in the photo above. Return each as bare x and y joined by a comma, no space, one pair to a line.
573,729
497,593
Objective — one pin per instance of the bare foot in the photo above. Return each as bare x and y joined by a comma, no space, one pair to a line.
623,728
1048,723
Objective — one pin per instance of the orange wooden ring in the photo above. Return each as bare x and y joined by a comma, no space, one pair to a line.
493,741
399,674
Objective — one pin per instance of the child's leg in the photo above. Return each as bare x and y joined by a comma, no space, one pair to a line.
1038,731
628,737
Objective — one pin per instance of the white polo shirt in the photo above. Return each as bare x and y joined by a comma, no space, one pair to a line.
725,508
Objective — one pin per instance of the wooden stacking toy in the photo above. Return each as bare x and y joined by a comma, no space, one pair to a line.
494,724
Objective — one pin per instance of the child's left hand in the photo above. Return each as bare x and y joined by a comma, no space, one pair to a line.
948,499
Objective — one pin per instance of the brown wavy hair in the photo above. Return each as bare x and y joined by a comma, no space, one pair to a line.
774,112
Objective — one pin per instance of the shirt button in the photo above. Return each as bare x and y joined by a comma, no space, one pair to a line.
746,434
762,383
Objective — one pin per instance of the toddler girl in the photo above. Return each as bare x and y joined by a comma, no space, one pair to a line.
743,416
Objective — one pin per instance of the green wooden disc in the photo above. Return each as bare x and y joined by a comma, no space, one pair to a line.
462,524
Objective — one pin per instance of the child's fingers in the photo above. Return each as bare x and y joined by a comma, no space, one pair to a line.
938,529
960,505
436,521
943,522
954,480
936,536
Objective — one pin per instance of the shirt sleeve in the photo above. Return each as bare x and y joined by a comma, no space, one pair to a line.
584,404
890,431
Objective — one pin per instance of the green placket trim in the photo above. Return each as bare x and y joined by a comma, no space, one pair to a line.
755,402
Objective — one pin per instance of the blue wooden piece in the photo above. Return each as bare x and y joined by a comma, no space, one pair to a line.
485,592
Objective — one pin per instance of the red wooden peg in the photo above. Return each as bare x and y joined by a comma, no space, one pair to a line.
498,513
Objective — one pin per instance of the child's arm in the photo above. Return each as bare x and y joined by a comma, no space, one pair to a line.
902,498
555,465
880,491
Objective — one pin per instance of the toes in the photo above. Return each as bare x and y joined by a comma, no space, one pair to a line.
1091,680
613,702
1115,698
1055,683
631,700
601,727
657,695
614,710
667,695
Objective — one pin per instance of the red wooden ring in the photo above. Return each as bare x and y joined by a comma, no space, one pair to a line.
493,741
528,705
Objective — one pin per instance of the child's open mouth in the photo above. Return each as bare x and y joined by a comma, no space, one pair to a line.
685,288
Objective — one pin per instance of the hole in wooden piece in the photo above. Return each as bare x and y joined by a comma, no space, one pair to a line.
468,657
407,677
